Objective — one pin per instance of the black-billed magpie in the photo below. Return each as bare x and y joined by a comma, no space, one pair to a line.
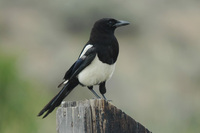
94,66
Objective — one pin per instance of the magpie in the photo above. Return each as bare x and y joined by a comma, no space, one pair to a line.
94,66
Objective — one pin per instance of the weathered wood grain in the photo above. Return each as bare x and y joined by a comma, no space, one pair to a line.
95,116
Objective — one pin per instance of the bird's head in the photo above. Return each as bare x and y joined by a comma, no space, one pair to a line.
108,25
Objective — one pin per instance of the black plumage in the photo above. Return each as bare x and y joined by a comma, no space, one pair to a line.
94,65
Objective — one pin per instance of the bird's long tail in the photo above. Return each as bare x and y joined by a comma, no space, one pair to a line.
55,102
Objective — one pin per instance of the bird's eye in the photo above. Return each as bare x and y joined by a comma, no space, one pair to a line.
110,22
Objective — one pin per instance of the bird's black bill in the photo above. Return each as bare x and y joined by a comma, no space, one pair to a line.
121,23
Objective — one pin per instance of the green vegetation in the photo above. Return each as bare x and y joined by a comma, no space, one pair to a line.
18,99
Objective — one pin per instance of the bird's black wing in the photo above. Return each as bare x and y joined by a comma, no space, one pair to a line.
84,61
67,75
76,68
79,65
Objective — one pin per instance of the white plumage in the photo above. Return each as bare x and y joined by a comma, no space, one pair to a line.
96,73
85,49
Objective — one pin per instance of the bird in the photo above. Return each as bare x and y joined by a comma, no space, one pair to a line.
95,64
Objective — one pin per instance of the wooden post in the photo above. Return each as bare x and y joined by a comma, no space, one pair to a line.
95,116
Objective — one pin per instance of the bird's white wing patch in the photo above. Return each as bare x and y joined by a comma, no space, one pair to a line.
65,82
85,49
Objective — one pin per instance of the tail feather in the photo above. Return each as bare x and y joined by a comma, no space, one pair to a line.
55,102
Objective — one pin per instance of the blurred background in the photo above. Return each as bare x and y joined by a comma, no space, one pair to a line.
157,77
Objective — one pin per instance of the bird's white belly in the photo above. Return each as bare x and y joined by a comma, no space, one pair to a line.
95,73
